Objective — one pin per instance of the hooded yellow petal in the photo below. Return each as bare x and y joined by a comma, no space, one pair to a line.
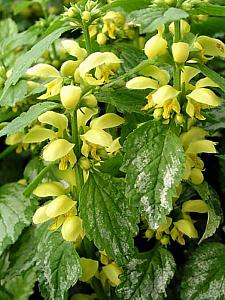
43,71
89,268
211,46
98,137
112,272
141,82
84,114
55,119
204,82
162,76
49,189
73,48
187,228
72,228
108,120
38,134
97,59
57,149
205,96
40,215
156,45
202,146
188,73
198,206
192,135
59,206
114,147
163,94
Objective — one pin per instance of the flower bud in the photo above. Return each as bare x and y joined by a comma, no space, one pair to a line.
101,38
84,163
86,16
149,233
155,46
196,176
157,114
89,268
187,228
72,228
47,189
179,119
180,52
59,206
71,12
69,67
165,240
89,101
70,96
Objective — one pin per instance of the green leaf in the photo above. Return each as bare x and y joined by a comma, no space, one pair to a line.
127,6
58,266
209,9
25,61
7,27
143,18
147,276
26,118
123,99
107,217
21,286
212,75
204,273
154,166
16,213
215,214
15,93
215,119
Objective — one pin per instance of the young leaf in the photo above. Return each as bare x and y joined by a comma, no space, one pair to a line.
123,99
204,273
16,213
26,118
215,213
154,164
25,61
58,266
107,217
147,276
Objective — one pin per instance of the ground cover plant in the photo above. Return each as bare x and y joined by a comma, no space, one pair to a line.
112,162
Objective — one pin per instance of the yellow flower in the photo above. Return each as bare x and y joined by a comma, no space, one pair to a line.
72,228
156,45
184,27
47,189
211,47
180,52
187,228
104,63
110,22
198,206
73,48
70,96
89,268
111,273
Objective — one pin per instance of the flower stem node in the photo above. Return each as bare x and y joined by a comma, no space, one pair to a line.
180,52
70,96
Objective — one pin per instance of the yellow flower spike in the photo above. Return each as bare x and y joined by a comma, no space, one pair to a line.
74,49
14,138
187,228
196,176
58,223
84,114
201,146
198,206
98,137
155,46
57,149
211,46
40,215
70,96
47,189
204,96
39,134
141,82
59,206
112,272
180,52
114,147
184,27
69,67
72,228
89,268
205,82
43,71
162,76
192,135
55,119
108,120
163,94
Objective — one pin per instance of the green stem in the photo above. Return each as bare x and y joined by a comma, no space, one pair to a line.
177,70
55,56
29,189
97,286
75,134
7,151
87,38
